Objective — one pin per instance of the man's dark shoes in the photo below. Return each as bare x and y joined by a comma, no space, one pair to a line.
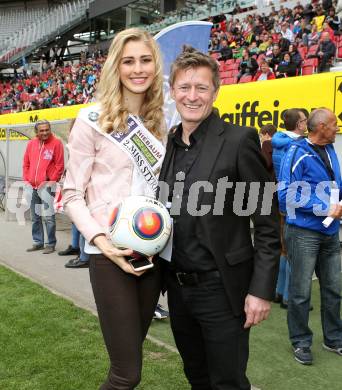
303,355
48,250
284,305
337,348
35,248
76,263
278,298
69,251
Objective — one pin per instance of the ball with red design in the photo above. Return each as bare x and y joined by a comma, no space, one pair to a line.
140,223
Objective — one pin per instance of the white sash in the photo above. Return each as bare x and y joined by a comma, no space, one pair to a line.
145,150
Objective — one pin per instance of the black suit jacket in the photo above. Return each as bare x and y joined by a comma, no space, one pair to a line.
246,267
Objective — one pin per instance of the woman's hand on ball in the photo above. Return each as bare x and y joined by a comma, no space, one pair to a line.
116,255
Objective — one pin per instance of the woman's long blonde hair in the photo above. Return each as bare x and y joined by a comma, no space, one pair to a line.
113,116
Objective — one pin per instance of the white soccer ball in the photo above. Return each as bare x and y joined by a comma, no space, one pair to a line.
140,223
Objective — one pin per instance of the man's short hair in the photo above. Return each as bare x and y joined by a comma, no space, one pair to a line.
291,118
192,58
269,129
316,117
41,122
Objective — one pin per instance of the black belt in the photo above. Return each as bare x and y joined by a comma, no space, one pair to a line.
194,278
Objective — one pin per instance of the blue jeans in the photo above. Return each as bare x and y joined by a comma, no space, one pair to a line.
83,256
78,241
41,208
283,278
310,251
75,237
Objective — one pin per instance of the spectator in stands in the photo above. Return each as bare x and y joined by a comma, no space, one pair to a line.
43,166
216,46
286,32
263,47
303,33
318,20
253,49
265,72
226,51
329,30
313,36
237,51
286,68
296,58
325,52
131,83
275,58
248,65
334,21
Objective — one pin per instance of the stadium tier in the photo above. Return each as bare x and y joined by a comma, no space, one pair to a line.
251,40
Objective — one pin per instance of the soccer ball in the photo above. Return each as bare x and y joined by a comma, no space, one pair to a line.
140,223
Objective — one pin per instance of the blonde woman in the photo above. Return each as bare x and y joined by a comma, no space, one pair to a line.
99,175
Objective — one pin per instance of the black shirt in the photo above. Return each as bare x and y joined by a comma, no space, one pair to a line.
189,254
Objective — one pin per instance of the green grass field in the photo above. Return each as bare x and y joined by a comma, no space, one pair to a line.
47,343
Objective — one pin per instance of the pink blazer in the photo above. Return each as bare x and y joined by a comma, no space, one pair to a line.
98,176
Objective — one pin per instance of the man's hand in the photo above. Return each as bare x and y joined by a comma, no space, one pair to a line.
256,309
335,211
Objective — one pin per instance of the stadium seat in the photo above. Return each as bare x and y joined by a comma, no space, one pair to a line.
224,75
230,62
309,66
339,52
245,79
222,67
235,72
312,49
302,50
229,80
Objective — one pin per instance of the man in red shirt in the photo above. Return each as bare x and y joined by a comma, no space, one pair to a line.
43,166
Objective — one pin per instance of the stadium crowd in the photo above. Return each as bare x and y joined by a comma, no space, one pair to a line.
285,43
55,86
280,44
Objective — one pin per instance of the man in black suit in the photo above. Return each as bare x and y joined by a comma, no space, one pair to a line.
219,283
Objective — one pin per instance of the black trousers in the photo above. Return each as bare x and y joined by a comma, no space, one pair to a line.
211,340
125,305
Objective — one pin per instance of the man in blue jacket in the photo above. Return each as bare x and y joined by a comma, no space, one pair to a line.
295,125
310,179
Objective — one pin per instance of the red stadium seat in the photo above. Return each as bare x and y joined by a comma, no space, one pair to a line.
339,52
302,50
245,79
229,80
309,66
222,67
224,75
310,62
235,72
230,62
312,49
307,70
275,38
